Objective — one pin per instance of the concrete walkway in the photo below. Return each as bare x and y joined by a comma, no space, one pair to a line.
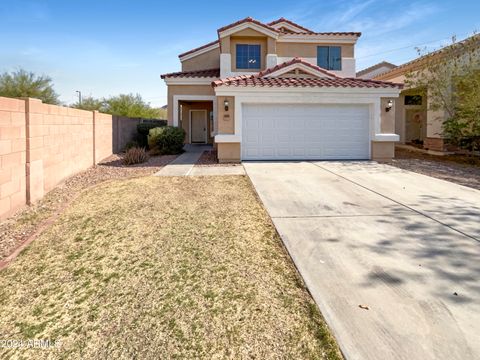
184,165
391,257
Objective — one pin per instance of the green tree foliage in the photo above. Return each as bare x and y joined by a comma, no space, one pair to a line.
22,83
450,79
129,105
89,103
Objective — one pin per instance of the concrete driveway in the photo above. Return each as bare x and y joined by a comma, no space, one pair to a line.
405,245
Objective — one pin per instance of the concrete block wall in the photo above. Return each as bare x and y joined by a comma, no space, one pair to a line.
124,130
103,136
41,145
12,155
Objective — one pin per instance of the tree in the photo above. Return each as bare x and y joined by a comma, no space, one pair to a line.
22,83
90,103
130,105
450,79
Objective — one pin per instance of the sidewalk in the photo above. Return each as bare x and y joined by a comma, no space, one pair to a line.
184,165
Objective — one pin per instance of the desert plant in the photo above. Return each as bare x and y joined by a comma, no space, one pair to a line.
135,155
170,140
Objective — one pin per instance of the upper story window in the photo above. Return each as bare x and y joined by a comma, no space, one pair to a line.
248,56
329,57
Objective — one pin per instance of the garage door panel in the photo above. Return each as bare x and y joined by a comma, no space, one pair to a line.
305,131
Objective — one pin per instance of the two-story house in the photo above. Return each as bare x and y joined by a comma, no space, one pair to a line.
280,91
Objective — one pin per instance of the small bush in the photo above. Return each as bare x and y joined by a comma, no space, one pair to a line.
144,128
153,136
135,155
170,140
131,144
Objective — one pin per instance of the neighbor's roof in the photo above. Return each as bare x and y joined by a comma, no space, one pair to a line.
417,63
295,60
208,73
375,67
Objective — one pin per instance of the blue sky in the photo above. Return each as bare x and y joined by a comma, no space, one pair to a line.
107,47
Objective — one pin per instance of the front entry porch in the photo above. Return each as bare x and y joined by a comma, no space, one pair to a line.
416,124
196,118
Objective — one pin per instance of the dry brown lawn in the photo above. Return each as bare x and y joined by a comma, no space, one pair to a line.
157,267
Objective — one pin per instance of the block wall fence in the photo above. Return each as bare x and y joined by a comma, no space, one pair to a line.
41,145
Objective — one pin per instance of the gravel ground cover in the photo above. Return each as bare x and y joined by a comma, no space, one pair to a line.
210,158
459,169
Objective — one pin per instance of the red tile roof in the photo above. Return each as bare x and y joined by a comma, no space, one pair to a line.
269,27
208,73
336,33
247,19
420,61
289,22
295,60
254,80
199,48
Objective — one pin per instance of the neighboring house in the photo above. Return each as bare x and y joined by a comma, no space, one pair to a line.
377,69
414,121
280,91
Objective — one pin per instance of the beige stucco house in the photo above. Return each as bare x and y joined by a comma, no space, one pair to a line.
415,122
280,91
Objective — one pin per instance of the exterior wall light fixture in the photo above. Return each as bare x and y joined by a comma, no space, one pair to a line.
389,106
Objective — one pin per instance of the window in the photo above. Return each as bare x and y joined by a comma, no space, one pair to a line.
248,56
329,57
413,99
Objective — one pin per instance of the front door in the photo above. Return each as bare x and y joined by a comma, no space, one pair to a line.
415,125
198,126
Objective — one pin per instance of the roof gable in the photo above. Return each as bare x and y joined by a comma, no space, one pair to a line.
297,64
281,23
245,24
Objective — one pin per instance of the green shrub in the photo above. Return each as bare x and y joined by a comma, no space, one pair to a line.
135,155
170,140
144,128
153,136
131,144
